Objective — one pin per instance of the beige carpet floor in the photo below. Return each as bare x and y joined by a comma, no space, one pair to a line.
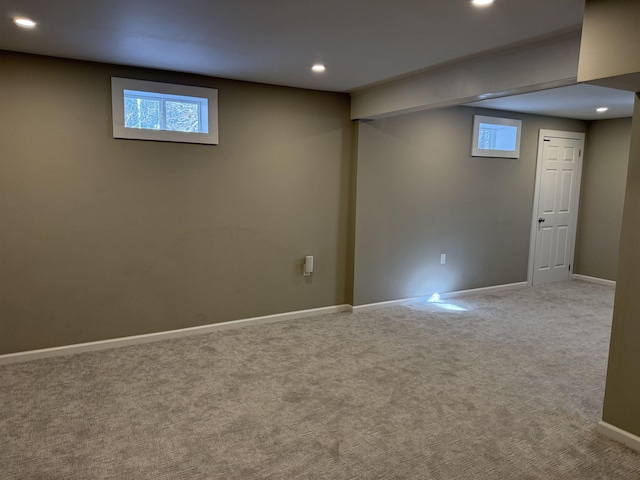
496,386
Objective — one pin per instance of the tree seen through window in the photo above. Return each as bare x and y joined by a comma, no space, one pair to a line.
147,110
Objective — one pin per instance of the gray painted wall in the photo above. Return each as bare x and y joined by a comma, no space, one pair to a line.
420,194
604,175
609,55
622,391
609,44
104,238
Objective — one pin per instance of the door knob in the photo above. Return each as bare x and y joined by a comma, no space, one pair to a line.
540,220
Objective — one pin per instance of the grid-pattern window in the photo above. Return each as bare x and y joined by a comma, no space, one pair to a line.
144,110
156,111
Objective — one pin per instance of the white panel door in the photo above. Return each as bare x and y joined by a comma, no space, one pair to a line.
556,213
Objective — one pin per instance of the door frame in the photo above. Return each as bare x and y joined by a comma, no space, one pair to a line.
545,133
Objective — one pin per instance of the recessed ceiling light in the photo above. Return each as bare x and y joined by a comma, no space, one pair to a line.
24,22
318,68
602,109
481,3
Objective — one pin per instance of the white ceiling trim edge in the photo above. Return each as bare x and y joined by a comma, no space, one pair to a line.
542,65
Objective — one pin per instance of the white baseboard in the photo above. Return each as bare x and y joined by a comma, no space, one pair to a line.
155,337
600,281
406,301
629,439
493,288
391,303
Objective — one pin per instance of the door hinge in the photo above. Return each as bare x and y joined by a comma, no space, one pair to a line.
569,267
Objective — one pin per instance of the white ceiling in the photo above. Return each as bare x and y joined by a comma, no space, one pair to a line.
575,101
362,42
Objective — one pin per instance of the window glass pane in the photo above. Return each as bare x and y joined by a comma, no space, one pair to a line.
497,137
141,113
484,138
182,116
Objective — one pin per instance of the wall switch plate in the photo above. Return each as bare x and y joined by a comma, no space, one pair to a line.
443,258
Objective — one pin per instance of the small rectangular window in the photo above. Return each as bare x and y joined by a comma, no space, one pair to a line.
496,137
165,112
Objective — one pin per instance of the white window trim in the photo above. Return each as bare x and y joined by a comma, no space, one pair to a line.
119,85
